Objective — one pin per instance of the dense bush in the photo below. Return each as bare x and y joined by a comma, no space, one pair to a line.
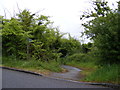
31,64
104,31
110,74
32,36
79,57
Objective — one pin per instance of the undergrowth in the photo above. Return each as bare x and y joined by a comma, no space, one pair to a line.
91,71
109,74
31,64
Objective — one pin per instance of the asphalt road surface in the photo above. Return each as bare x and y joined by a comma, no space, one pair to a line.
15,79
72,74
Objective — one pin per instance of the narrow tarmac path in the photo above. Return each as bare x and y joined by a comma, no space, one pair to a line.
72,74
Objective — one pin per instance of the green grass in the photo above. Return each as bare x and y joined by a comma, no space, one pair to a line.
91,72
86,67
82,64
80,60
109,74
31,64
52,66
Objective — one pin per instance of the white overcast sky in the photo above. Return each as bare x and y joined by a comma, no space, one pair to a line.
64,13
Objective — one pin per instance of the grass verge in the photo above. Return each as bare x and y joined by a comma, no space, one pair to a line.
32,65
91,72
108,74
87,68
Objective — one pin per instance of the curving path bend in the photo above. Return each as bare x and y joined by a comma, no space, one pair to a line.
72,74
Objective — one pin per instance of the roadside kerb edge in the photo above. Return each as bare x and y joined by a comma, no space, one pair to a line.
89,83
20,70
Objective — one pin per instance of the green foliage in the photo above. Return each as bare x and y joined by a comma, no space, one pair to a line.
80,57
52,66
31,64
104,31
108,74
80,60
33,36
12,38
99,9
87,47
70,46
30,41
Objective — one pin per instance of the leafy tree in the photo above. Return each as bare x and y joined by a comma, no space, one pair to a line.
104,30
70,46
33,36
86,47
17,32
13,38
